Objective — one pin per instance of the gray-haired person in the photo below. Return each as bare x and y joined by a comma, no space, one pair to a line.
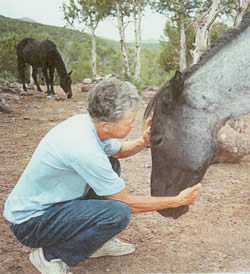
70,201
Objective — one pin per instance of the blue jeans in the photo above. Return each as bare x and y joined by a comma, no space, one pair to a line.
72,230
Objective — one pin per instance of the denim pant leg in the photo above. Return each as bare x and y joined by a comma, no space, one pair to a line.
73,230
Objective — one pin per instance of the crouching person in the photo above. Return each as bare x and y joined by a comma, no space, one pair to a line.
70,201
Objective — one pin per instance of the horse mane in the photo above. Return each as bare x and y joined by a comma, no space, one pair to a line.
220,43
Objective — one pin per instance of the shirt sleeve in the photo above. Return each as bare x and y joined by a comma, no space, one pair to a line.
111,146
97,172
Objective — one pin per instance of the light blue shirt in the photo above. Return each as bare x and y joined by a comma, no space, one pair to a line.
68,161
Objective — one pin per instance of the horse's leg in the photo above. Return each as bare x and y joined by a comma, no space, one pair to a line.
21,70
45,73
34,75
51,74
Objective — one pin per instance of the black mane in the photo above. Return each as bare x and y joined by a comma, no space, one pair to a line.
220,43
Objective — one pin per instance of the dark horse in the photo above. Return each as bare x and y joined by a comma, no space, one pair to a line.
43,54
189,110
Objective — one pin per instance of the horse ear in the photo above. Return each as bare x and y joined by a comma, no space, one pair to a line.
177,84
69,73
174,88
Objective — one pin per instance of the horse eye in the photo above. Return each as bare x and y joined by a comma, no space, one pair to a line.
155,141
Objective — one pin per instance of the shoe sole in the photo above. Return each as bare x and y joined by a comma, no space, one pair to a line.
112,254
33,260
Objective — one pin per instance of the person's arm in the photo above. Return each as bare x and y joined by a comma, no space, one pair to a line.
130,148
140,204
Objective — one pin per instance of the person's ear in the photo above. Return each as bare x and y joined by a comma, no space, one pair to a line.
105,126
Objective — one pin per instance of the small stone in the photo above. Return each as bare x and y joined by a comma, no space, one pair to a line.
26,118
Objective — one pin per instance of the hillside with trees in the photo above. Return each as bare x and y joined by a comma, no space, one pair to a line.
75,47
191,28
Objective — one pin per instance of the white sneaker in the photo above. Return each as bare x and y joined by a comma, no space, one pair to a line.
113,247
56,266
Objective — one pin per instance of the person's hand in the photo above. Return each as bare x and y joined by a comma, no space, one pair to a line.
189,195
146,130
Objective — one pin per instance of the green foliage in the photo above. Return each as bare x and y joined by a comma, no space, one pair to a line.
8,59
169,54
108,60
81,64
173,8
151,72
217,30
88,12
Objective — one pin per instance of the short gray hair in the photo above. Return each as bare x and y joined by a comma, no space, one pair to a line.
110,99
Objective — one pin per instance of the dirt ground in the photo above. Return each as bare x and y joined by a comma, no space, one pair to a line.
214,236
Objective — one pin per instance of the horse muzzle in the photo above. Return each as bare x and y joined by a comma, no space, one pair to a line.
69,95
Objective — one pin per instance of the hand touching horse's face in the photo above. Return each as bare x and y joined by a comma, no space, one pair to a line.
65,84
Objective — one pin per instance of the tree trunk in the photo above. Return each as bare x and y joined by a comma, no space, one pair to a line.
122,42
241,8
183,59
137,27
202,27
93,52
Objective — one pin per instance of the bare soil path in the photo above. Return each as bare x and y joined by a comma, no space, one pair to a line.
214,236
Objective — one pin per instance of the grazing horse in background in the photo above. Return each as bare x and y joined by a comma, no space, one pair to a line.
43,54
189,110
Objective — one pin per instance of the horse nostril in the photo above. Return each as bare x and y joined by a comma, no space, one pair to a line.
69,95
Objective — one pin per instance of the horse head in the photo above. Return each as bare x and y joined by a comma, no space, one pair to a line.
65,84
189,110
181,147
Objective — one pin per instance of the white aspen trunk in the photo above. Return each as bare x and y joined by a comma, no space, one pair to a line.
137,29
93,51
122,43
241,8
202,27
183,59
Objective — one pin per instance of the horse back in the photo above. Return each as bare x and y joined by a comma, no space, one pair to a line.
36,53
48,50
